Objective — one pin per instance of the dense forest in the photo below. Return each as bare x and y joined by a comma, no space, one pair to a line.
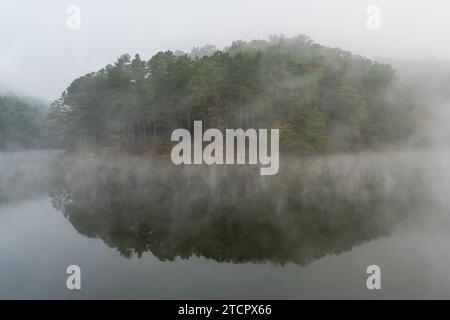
320,98
22,123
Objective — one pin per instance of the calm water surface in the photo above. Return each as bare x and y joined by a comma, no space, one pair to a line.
151,231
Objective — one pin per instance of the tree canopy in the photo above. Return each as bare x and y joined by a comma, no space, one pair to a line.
320,98
21,123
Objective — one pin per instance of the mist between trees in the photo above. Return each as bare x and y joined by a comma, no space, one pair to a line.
320,98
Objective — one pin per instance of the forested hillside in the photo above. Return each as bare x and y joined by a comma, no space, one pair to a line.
22,123
320,98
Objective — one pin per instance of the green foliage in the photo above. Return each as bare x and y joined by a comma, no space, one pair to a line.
21,123
321,98
161,145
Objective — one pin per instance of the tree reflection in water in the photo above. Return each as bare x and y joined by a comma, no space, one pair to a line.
313,207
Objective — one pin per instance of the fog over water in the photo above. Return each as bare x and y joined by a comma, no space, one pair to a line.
147,228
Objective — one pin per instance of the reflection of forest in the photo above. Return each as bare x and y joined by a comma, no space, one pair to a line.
312,208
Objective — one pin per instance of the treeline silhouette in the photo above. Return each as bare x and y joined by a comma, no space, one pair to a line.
320,98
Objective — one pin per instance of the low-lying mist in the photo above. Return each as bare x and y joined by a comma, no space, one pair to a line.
313,207
25,175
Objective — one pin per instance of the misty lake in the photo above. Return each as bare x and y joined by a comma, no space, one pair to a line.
147,229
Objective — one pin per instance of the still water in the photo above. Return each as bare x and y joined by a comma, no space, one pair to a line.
145,229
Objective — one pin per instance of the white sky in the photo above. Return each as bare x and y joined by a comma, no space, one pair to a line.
40,56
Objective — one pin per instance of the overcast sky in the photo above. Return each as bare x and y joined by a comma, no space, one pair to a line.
40,56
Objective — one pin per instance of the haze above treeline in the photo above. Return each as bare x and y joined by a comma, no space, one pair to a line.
322,99
40,55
